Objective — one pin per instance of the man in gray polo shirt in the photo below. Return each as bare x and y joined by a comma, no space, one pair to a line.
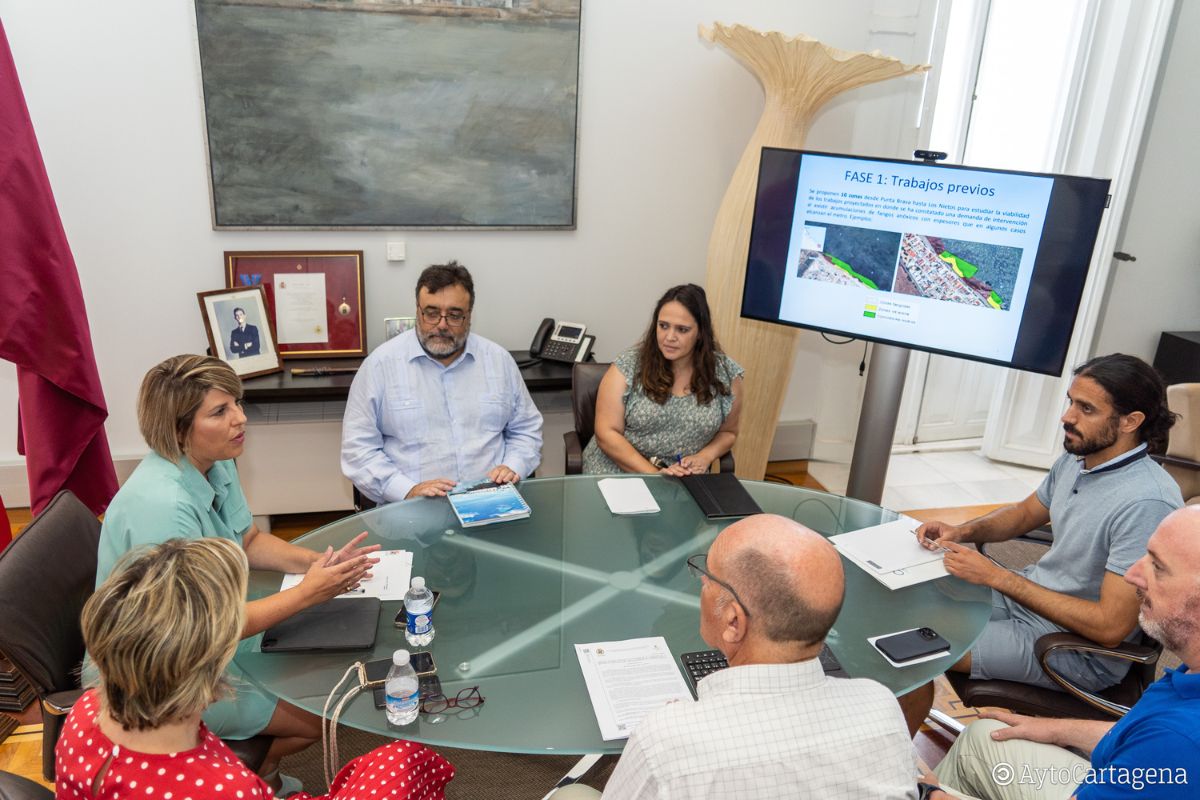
1104,497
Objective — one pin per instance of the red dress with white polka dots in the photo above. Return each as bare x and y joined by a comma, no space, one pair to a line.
398,770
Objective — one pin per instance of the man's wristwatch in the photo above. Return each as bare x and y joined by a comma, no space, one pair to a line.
926,790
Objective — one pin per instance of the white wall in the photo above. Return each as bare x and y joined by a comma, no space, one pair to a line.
1161,290
114,92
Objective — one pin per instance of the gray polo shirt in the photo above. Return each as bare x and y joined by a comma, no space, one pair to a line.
1102,519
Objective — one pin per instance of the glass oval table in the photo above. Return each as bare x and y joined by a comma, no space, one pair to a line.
517,596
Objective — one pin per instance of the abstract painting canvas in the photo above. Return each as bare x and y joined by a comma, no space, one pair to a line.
390,113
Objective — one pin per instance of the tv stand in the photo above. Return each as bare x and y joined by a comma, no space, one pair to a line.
877,422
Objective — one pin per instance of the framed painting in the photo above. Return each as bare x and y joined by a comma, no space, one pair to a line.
239,330
314,298
401,114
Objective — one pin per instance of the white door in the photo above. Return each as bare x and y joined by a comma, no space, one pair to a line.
955,400
1070,95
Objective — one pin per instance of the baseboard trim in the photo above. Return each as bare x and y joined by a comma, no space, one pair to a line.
14,481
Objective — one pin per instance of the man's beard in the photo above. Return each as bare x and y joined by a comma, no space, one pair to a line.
1175,633
439,346
1084,446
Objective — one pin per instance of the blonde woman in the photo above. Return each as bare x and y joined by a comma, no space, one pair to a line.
161,630
190,413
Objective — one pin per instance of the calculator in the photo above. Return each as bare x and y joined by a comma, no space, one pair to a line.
705,662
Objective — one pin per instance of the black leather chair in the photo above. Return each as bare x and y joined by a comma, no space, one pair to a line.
1073,701
46,575
585,385
14,787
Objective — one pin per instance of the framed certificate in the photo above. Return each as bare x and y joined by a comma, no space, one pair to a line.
314,298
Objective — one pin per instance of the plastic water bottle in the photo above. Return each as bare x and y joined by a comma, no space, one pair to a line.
418,605
403,690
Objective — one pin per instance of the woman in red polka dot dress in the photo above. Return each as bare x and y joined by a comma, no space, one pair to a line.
161,630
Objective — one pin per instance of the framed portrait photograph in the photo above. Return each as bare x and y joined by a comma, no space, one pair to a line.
240,332
314,298
394,326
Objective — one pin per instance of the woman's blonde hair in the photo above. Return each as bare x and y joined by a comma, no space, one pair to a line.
171,394
163,627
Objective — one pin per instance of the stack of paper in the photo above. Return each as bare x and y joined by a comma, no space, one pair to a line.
890,554
627,496
389,578
627,680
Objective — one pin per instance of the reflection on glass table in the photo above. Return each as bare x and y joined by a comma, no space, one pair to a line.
517,596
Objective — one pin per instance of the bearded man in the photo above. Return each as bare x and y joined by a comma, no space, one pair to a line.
1103,497
438,405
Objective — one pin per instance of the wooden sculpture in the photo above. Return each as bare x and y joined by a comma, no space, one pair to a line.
798,75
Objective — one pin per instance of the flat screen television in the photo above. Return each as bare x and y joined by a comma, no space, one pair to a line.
977,263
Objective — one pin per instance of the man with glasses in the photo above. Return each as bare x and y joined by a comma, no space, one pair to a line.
772,724
439,404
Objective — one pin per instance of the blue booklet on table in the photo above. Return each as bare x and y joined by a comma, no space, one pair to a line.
491,503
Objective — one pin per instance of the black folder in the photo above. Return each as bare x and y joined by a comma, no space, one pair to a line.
344,623
720,495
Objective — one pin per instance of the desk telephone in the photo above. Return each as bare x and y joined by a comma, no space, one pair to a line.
561,341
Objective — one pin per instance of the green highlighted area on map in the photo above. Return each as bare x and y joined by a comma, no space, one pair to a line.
964,269
837,262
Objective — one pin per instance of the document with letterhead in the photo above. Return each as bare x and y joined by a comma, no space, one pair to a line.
627,680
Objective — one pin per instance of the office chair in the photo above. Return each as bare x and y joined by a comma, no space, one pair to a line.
14,787
1073,701
1182,459
46,575
585,385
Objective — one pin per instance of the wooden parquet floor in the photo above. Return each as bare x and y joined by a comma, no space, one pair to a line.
21,752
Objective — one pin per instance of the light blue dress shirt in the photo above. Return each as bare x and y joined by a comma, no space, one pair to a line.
409,419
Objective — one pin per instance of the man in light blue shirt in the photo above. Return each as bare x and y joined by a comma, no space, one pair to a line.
439,404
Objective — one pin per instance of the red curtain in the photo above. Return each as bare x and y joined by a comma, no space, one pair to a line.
43,327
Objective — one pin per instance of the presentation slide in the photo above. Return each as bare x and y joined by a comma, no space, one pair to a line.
908,252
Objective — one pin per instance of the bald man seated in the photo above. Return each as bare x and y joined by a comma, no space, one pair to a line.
773,724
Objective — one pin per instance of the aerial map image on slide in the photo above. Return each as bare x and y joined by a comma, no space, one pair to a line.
961,272
849,256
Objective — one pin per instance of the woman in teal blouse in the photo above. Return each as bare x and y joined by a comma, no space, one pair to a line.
190,413
670,404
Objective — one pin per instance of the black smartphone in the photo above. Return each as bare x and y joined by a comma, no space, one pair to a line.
910,645
422,663
421,660
401,620
427,685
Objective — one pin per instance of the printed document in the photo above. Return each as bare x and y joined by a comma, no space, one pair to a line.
891,554
389,579
627,680
627,496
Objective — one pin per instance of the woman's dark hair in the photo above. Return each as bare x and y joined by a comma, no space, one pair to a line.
1133,385
656,376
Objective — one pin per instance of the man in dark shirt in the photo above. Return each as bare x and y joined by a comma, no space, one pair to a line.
243,341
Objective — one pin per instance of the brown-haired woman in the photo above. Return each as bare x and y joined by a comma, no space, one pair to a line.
671,403
190,413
